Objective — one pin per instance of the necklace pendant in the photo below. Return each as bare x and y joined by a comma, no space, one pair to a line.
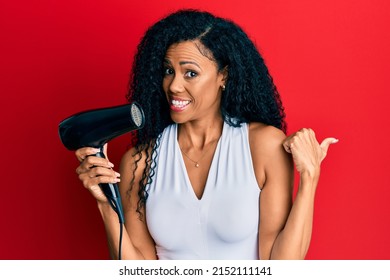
196,165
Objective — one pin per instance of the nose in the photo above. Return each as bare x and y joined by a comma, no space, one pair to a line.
176,84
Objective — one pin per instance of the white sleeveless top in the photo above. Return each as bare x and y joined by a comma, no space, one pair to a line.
224,223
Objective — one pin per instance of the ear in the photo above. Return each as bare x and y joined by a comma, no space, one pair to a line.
224,76
224,72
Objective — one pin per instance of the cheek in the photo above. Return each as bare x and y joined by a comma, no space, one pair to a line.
211,88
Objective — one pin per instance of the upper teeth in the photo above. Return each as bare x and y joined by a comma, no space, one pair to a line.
180,103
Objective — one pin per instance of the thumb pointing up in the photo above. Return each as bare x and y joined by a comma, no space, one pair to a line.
325,145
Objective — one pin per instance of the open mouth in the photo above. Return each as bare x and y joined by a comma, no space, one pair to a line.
178,105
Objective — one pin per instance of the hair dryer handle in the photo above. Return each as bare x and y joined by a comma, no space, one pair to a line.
111,191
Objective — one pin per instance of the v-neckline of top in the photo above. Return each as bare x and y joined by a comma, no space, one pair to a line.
184,168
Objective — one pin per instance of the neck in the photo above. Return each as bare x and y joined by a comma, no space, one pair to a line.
199,135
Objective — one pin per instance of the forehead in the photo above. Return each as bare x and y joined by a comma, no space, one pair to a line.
189,50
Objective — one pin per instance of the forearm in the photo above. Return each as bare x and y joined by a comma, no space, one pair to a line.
112,226
294,240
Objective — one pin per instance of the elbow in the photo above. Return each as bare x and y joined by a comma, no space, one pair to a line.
289,252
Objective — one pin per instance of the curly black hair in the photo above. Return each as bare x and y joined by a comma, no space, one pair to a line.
250,94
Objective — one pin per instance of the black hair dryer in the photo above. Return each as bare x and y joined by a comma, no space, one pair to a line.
94,128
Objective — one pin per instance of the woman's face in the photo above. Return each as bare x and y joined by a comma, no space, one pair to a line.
192,83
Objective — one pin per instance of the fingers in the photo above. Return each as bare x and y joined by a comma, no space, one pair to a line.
303,136
105,150
94,170
82,153
307,136
99,171
286,146
287,143
90,162
99,175
92,184
306,152
96,175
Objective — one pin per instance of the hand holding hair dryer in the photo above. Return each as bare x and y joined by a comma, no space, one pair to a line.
94,128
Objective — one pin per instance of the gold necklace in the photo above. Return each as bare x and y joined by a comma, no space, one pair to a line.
196,162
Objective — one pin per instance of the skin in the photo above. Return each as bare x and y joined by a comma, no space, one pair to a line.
193,86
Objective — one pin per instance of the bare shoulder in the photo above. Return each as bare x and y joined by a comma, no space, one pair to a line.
268,154
131,169
128,157
132,161
265,138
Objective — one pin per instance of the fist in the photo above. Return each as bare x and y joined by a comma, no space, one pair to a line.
95,170
306,152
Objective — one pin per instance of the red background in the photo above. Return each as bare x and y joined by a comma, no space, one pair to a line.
329,59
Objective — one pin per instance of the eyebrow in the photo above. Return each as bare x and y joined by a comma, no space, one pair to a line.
189,62
184,63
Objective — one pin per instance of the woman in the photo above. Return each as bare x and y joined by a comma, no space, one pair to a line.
210,175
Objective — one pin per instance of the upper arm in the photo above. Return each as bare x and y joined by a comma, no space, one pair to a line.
275,174
135,227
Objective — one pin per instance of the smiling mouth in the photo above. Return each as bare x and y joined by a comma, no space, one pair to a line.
178,105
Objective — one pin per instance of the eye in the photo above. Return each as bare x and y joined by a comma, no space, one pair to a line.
190,74
168,71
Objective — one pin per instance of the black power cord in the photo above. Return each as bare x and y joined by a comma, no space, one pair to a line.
116,206
120,241
111,191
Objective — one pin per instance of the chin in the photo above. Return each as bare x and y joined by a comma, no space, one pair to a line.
179,118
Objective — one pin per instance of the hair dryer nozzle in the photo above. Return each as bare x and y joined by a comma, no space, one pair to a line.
94,128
